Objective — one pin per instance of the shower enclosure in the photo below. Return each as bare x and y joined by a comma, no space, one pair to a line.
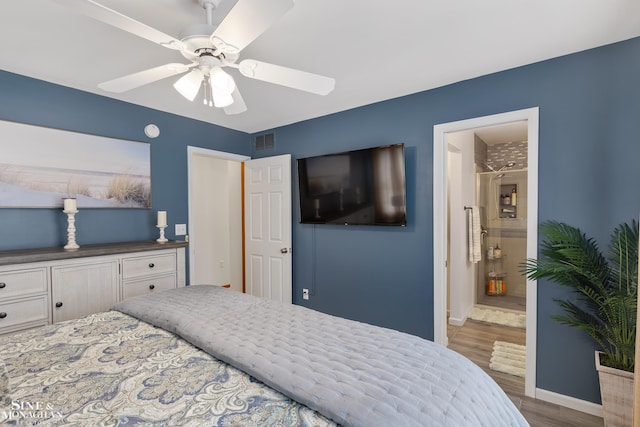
502,198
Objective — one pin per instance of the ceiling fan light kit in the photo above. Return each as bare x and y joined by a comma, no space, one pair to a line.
221,81
222,101
189,84
210,48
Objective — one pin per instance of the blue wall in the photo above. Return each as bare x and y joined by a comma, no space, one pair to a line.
589,177
36,102
589,121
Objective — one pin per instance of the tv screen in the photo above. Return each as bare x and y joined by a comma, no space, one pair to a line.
361,187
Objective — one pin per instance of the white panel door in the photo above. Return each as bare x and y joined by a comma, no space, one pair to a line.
267,196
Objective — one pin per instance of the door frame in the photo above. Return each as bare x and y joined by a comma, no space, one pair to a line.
440,210
191,151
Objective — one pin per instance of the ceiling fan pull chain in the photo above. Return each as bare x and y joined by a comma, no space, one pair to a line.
205,87
204,95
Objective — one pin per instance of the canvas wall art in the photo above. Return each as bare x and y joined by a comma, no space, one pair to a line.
40,166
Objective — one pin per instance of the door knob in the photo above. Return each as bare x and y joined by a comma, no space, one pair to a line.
284,250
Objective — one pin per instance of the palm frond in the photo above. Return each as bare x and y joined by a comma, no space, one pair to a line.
623,253
606,288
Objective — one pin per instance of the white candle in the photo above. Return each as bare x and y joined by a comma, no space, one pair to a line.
70,205
162,218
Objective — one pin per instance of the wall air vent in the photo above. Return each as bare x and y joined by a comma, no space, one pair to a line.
265,142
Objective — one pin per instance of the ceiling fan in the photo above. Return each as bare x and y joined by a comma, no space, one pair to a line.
210,48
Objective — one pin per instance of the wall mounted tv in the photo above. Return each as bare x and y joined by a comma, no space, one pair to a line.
361,187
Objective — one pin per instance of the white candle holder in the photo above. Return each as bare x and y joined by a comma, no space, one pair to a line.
71,230
162,239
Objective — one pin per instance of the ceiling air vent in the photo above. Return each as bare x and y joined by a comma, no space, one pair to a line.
265,142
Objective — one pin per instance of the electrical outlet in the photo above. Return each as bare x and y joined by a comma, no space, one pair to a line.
181,229
305,294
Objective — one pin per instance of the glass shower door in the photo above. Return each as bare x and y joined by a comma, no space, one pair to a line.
502,202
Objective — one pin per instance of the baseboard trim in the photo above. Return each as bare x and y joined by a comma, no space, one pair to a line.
457,322
570,402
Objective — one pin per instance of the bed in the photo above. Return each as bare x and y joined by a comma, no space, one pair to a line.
208,356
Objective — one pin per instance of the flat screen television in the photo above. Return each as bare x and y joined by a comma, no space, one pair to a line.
361,187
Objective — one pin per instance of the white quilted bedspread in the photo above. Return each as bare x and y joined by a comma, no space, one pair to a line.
354,373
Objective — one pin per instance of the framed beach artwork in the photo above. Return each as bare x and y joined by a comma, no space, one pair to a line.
40,166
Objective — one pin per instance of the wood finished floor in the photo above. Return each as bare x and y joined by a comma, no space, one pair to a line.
475,341
510,302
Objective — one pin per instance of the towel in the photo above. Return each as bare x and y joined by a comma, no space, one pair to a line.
475,253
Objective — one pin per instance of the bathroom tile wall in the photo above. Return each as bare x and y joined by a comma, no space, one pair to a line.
480,152
499,154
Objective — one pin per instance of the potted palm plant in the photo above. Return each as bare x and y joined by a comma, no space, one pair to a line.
605,305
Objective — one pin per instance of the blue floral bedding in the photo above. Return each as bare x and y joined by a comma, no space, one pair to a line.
110,369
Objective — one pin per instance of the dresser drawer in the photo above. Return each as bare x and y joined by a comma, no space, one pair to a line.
147,265
17,283
25,310
134,288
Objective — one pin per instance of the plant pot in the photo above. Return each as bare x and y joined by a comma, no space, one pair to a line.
616,391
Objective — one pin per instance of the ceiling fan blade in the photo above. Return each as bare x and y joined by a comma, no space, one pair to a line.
141,78
246,21
284,76
238,105
123,22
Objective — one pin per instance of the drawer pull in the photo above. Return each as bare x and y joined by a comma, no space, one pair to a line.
58,304
152,287
3,315
2,285
151,265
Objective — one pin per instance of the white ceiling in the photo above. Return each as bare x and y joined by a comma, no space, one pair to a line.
375,50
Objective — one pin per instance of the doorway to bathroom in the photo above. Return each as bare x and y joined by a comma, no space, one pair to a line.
473,170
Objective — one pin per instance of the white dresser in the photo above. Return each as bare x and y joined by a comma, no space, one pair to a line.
49,285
